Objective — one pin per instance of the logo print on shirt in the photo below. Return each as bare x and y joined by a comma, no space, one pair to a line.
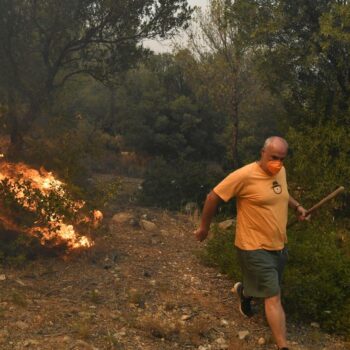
276,187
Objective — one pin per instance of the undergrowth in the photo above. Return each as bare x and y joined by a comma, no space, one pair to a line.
316,285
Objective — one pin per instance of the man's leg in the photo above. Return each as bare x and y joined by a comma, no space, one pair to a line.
276,319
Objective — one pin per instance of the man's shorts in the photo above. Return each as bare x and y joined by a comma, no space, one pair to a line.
262,271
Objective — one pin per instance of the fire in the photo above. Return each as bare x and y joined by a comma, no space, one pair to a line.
51,227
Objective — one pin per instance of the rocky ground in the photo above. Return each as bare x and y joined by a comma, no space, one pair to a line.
142,286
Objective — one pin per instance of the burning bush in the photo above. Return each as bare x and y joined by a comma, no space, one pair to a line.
37,204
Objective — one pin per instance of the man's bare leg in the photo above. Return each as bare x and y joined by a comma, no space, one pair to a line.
276,319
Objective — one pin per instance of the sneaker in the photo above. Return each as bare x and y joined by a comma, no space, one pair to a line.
245,306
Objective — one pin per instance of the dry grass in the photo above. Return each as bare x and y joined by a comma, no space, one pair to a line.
197,330
82,328
95,297
19,299
160,329
136,297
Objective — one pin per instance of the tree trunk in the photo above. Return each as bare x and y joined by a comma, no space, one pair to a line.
110,125
112,111
235,120
16,137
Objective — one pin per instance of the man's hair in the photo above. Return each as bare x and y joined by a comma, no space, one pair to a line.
272,139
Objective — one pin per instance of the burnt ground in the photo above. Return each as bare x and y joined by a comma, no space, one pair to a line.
137,288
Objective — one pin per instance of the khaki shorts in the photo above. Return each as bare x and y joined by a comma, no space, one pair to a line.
262,271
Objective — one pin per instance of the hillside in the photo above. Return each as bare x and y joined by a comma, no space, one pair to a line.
141,286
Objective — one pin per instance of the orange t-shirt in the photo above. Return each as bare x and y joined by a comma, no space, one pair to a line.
262,206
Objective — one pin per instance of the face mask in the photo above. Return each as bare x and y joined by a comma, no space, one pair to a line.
274,166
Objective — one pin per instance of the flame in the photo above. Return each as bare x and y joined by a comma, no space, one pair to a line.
57,230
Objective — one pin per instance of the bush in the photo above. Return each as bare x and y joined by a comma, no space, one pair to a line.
316,284
101,193
220,252
171,185
73,150
317,280
16,250
41,212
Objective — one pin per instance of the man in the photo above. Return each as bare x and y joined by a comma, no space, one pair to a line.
262,209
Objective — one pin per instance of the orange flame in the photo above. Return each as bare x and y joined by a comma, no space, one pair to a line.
44,181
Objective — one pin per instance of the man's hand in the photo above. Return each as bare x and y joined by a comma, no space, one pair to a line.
302,213
201,234
209,210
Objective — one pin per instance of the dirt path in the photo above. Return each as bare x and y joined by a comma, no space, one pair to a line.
136,289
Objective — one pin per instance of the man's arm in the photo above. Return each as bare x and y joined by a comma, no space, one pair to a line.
299,209
209,210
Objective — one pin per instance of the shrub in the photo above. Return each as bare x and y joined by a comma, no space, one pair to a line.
317,280
220,252
48,215
17,250
172,185
101,193
316,284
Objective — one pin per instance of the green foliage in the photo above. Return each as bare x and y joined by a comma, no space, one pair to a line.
174,184
220,252
100,194
316,286
317,279
16,250
160,115
97,38
70,145
320,161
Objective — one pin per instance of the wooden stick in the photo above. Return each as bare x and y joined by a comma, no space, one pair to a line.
326,199
320,203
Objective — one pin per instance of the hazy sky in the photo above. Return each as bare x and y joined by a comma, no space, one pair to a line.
198,2
164,46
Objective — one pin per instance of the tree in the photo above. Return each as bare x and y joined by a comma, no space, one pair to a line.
45,43
162,116
220,47
304,49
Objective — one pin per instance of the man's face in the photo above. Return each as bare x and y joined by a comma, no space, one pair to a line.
274,151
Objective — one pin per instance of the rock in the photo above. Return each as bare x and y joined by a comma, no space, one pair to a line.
148,225
224,225
21,325
83,345
2,277
222,343
30,342
185,317
315,325
224,323
262,341
122,218
66,339
243,335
